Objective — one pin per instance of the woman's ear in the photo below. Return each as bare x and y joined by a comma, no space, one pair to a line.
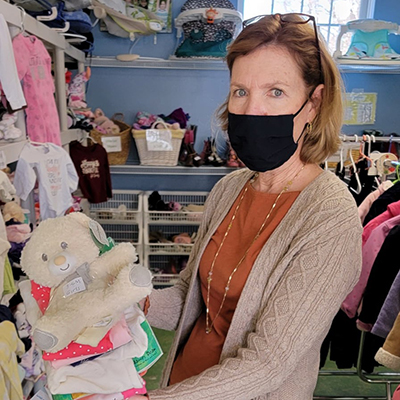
316,99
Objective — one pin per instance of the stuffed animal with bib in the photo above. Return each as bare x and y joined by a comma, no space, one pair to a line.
80,280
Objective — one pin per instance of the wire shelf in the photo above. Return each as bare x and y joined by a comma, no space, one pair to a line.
176,217
125,206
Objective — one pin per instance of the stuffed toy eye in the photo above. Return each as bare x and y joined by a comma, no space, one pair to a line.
44,257
64,245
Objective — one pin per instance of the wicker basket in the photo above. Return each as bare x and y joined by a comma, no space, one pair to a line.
120,157
166,158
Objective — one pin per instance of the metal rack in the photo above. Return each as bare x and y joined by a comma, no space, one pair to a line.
381,378
60,48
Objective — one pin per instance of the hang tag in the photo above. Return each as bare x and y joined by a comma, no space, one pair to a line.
3,161
159,140
98,232
75,286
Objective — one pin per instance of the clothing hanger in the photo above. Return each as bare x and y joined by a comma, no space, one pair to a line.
86,136
44,144
349,156
397,175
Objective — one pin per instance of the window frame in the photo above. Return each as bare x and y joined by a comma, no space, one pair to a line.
367,8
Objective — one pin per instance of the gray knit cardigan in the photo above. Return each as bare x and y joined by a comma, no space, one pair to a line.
304,271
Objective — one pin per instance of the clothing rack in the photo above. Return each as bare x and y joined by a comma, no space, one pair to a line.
379,378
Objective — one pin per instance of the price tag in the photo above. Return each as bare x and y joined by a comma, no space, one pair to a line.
159,140
75,286
3,161
111,144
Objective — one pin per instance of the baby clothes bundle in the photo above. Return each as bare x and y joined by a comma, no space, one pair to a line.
52,166
34,69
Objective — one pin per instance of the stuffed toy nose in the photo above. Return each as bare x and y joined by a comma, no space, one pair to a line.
60,260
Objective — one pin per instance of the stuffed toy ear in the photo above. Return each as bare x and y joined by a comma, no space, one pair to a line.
81,218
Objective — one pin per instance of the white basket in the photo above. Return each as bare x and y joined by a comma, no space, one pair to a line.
168,248
175,217
110,211
128,232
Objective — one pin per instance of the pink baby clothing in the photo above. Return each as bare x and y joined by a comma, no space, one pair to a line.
18,233
118,334
370,250
76,349
365,206
117,396
392,210
34,69
116,337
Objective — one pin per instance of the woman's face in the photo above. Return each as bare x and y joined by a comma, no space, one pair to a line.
268,81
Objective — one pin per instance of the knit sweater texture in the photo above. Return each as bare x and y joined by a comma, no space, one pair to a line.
304,271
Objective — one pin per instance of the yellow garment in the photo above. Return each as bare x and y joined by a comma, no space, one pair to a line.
9,285
10,345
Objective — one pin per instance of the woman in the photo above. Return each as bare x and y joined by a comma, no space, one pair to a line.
279,247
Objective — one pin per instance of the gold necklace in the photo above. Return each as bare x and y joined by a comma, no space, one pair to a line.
209,326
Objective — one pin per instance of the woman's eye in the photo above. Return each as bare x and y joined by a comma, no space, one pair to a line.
240,92
277,92
64,245
44,257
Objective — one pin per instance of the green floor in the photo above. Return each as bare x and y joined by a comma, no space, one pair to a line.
327,386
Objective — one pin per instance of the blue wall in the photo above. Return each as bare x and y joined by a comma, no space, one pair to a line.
199,93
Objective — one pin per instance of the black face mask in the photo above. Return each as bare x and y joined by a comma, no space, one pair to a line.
263,142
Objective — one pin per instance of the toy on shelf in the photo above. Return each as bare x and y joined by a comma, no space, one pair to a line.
369,42
76,90
207,28
104,124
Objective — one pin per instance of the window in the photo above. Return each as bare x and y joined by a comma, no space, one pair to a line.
330,14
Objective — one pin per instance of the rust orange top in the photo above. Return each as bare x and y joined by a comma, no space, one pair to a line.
203,350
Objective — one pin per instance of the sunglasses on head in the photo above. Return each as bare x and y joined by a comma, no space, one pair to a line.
290,18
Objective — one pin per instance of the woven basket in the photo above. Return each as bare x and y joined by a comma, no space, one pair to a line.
120,157
166,158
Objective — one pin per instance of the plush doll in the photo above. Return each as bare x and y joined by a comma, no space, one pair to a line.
79,279
8,130
104,124
76,90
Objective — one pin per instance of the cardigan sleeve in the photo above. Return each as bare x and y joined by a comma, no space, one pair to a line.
296,317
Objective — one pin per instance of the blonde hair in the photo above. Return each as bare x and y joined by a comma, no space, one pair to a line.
299,39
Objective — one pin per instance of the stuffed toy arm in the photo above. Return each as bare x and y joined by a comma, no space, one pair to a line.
111,262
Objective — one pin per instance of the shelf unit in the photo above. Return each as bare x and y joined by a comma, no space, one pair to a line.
167,259
345,66
121,217
60,49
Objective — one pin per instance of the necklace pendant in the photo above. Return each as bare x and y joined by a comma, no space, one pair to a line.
208,330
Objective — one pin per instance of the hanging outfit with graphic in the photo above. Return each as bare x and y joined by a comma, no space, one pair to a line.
93,169
52,166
